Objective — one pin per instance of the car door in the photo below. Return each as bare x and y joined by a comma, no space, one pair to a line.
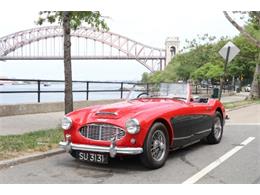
182,122
193,122
202,120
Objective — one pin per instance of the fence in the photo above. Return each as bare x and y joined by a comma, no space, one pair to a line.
88,87
208,89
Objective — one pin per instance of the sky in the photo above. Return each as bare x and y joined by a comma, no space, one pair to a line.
144,21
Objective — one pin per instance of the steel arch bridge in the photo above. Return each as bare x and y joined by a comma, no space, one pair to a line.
46,43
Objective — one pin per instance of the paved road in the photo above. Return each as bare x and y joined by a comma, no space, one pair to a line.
242,167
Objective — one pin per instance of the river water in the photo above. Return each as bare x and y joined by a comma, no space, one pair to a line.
18,98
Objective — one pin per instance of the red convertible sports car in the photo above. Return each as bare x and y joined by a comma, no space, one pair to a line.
150,123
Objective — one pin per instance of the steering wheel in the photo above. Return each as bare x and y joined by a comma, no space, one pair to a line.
144,93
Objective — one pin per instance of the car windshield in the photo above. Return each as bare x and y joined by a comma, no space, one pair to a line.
162,90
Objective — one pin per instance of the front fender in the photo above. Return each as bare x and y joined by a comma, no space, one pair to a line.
146,122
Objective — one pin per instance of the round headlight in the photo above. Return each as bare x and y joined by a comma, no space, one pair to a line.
132,126
66,123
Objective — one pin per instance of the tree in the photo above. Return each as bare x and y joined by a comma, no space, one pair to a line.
254,38
198,52
71,20
201,61
243,65
208,71
145,77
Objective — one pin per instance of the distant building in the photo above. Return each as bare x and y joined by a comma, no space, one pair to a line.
172,46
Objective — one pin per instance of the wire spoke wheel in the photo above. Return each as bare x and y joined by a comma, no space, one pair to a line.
217,127
217,130
158,145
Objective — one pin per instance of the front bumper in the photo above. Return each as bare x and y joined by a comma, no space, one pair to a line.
112,150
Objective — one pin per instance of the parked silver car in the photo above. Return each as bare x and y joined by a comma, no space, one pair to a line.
248,88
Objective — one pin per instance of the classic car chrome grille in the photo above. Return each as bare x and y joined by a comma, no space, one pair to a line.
101,132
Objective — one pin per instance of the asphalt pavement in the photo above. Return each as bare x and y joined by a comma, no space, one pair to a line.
241,164
242,167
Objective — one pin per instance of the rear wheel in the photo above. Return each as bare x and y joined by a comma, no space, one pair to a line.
156,147
217,130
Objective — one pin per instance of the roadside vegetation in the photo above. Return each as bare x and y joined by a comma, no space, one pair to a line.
199,61
12,146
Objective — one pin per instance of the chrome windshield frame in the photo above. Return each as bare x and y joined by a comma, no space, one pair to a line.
185,96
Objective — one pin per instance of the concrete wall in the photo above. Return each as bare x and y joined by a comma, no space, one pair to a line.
18,109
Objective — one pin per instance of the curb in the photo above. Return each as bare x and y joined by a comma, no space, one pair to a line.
28,158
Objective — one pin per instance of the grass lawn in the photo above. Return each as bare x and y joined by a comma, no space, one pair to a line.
18,145
232,105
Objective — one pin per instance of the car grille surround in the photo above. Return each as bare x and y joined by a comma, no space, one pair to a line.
102,132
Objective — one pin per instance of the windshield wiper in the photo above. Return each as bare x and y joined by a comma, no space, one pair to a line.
182,98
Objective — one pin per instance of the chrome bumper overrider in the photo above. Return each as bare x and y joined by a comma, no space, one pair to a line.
112,150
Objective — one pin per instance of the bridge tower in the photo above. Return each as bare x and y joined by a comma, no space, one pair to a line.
172,46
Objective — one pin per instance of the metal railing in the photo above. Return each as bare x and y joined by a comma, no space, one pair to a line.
208,89
87,89
196,89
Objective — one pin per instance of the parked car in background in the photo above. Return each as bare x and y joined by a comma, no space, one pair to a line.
149,124
248,88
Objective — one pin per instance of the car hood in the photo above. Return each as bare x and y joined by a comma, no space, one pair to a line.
132,107
124,110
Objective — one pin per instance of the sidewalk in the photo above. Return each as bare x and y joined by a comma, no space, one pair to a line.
238,97
247,115
20,124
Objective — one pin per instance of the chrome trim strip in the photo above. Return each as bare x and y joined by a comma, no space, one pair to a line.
180,138
100,131
98,134
204,131
190,136
119,150
106,113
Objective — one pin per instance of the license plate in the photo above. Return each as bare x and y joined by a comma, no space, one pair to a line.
93,157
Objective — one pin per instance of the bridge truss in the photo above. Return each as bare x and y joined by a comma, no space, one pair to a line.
46,43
